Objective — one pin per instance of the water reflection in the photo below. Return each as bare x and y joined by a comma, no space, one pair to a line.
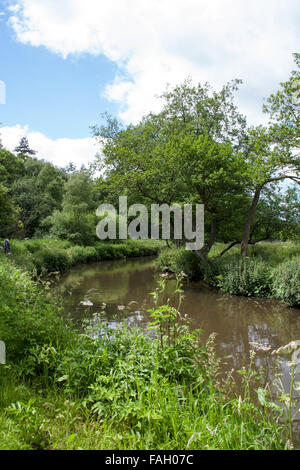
122,289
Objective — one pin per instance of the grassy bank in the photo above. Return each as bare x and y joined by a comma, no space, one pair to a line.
271,270
42,256
118,389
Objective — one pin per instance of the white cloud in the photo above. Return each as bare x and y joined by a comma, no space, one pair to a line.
58,151
155,42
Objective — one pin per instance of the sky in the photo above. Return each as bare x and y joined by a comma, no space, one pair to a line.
65,62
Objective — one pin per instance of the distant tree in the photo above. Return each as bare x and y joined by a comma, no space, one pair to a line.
33,203
51,182
70,168
11,167
77,219
23,148
79,191
37,193
290,229
7,211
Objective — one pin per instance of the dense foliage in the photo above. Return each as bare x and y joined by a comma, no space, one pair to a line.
271,270
44,256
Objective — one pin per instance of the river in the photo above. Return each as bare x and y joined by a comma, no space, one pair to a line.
121,290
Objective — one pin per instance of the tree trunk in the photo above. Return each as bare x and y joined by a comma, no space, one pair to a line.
245,238
207,247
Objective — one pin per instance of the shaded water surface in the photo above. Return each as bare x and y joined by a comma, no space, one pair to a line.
236,320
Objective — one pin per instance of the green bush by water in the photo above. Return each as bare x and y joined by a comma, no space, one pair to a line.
286,282
41,256
271,270
28,318
249,277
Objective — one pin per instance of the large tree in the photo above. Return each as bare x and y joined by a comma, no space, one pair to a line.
76,221
190,152
37,193
11,168
273,152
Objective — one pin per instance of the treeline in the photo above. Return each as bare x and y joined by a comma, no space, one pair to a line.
39,199
198,149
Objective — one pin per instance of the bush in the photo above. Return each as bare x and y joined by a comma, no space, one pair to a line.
286,282
177,260
82,254
249,277
28,318
36,244
66,225
51,260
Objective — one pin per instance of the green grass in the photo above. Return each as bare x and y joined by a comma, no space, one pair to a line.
273,252
40,256
117,389
162,417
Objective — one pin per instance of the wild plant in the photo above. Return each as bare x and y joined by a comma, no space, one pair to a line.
165,316
288,398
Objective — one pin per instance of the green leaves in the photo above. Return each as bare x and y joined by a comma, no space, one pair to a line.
263,395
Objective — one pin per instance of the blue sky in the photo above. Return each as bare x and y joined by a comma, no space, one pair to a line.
66,61
58,97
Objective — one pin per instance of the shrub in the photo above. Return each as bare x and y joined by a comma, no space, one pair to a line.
178,260
28,318
168,260
82,254
36,244
20,256
286,282
51,260
67,225
249,277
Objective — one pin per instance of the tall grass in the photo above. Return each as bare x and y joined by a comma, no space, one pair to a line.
51,255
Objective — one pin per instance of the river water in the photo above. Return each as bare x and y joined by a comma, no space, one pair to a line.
124,286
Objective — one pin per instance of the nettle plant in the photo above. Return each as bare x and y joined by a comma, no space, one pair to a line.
166,317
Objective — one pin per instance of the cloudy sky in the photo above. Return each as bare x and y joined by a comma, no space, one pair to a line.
64,62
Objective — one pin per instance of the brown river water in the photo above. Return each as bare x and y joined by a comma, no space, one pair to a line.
125,287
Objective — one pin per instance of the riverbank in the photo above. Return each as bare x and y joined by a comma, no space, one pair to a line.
118,389
272,270
46,255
